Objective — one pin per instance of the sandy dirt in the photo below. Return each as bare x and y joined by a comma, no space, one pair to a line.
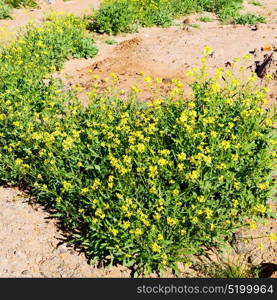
31,245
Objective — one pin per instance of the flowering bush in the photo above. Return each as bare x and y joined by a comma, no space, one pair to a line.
142,184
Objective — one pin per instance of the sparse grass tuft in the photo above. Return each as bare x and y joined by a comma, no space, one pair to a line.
249,19
238,268
194,25
255,3
205,19
110,42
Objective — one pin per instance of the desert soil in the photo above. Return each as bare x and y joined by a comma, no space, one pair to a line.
31,243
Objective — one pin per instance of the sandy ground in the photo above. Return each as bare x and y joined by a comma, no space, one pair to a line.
31,245
29,238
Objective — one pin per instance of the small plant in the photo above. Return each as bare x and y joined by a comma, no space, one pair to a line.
249,19
110,42
255,3
205,19
194,25
237,268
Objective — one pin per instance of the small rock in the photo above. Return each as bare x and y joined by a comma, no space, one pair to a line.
26,272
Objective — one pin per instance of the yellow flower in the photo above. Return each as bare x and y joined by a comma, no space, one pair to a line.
137,231
252,225
135,89
170,221
84,190
113,231
160,237
175,192
213,134
58,199
273,237
193,175
140,148
181,156
191,105
235,157
209,213
67,186
180,167
153,190
126,224
201,199
183,231
212,227
260,246
96,184
221,166
147,79
153,171
247,56
18,161
165,152
99,213
207,50
162,162
194,220
268,122
235,203
225,145
156,248
260,208
157,216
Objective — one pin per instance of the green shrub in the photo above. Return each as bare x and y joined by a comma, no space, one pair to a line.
115,17
160,17
141,184
184,7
